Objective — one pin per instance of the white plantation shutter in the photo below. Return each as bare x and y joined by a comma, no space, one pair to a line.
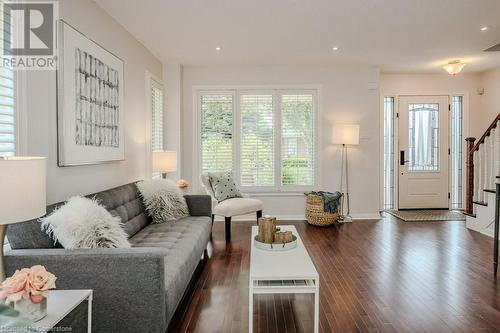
157,116
7,104
216,132
297,140
257,140
272,147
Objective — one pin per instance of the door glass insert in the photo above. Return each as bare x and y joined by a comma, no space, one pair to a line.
423,137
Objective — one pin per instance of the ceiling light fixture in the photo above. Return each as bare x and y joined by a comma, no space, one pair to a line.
218,48
335,48
454,67
484,28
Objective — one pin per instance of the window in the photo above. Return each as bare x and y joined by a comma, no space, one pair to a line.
297,147
423,137
257,140
456,152
389,152
157,103
216,132
8,121
266,137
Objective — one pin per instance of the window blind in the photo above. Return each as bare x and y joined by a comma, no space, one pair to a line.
216,132
157,116
7,104
257,140
297,140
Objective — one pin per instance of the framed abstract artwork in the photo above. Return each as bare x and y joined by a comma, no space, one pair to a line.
90,101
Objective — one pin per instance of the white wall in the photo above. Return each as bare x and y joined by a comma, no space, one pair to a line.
349,94
90,19
172,74
490,101
439,84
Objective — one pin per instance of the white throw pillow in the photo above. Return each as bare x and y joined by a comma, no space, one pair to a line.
83,223
163,200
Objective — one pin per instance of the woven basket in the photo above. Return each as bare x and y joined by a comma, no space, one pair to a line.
315,213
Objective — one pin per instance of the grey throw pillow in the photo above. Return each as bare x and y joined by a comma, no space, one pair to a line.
223,185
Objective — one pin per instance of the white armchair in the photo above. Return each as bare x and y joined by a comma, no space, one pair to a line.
231,207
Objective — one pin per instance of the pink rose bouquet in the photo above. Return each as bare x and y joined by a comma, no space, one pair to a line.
28,283
182,183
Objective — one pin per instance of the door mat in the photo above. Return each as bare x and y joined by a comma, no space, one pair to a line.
427,215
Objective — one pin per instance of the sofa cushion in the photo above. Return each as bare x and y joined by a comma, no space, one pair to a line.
237,206
126,203
123,201
185,241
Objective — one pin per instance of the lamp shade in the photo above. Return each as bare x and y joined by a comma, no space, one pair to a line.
22,188
345,134
165,161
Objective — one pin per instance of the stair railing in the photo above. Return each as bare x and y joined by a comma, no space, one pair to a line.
483,164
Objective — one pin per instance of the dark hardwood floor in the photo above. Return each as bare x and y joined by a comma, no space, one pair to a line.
386,276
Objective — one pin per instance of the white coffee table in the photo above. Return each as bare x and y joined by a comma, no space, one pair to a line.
282,272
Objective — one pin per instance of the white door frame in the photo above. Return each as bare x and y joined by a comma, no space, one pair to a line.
396,95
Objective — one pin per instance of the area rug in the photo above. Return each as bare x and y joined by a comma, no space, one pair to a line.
427,215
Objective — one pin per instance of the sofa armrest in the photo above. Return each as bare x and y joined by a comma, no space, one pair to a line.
199,204
128,284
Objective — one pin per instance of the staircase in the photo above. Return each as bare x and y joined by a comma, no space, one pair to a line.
483,169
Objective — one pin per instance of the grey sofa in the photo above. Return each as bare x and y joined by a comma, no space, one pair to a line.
137,289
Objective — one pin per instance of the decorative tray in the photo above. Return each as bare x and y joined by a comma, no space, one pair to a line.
276,246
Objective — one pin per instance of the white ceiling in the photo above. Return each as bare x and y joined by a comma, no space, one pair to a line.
395,35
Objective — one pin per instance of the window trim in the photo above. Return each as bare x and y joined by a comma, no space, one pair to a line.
236,90
150,78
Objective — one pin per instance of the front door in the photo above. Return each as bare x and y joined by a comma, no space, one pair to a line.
423,152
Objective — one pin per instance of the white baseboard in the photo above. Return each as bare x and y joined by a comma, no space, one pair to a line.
367,216
356,217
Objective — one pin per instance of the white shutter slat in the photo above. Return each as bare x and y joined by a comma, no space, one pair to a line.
257,140
216,132
297,140
157,117
7,105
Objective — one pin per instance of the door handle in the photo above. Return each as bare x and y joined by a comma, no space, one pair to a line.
402,157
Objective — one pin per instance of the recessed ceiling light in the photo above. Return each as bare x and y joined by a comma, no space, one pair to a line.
484,28
335,48
218,48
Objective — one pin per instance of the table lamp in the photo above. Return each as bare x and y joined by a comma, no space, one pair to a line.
22,194
164,162
344,135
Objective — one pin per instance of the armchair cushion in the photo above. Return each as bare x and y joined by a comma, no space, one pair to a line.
237,206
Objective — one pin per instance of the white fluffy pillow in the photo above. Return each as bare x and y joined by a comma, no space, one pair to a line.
163,200
83,223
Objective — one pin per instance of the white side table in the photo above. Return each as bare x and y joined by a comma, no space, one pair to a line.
60,303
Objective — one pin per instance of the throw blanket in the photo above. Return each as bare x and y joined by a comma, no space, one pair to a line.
331,201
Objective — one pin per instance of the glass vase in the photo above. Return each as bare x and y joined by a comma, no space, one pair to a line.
32,311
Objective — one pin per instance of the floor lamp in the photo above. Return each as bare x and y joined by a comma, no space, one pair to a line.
345,135
22,194
164,162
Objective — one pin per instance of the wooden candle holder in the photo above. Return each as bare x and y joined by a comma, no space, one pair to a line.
283,237
267,229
